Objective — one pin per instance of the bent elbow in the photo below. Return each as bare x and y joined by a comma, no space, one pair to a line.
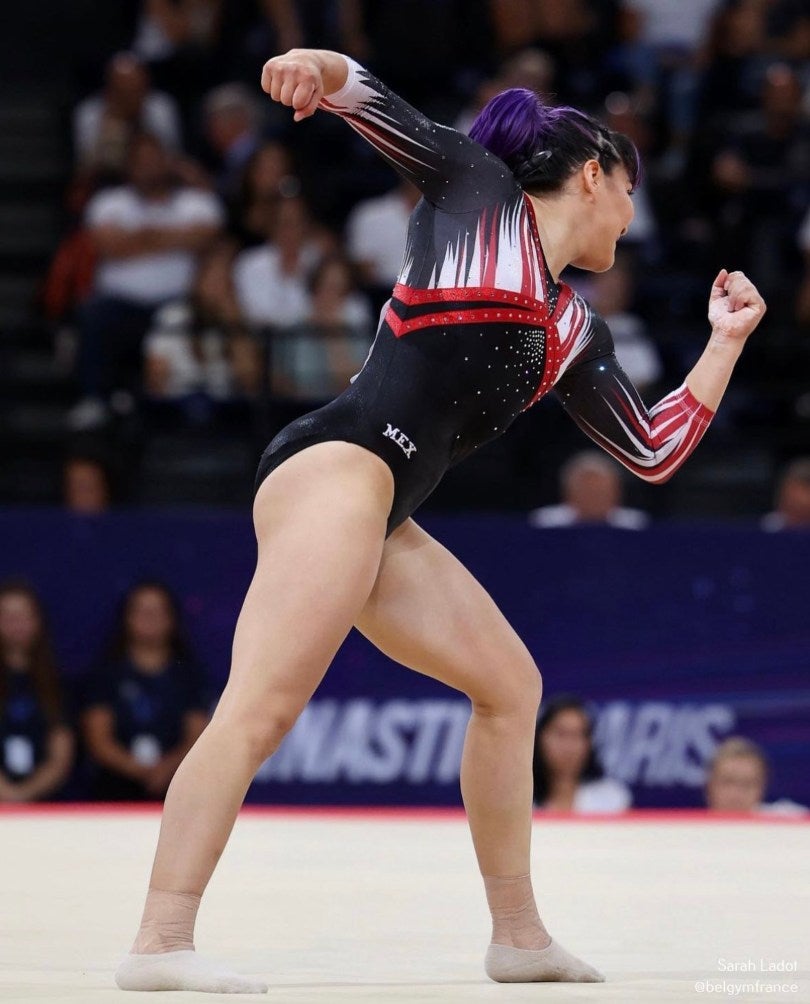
657,476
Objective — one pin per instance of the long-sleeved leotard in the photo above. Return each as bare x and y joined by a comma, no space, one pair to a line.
476,330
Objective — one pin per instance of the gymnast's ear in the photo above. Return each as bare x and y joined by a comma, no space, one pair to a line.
591,174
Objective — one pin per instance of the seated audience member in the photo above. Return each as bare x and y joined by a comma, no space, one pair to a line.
104,124
567,774
792,502
36,741
737,779
268,177
200,344
147,234
144,705
271,280
315,360
591,488
611,295
376,231
760,178
87,483
232,128
179,39
664,42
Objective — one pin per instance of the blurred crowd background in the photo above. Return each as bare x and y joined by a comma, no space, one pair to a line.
118,731
183,270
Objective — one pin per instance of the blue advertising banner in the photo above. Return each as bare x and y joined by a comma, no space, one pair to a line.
678,636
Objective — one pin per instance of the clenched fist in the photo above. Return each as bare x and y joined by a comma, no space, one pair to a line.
301,77
735,306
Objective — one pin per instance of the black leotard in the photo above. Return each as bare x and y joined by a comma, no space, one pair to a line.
476,329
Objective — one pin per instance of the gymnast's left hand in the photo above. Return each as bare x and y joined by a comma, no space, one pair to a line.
735,306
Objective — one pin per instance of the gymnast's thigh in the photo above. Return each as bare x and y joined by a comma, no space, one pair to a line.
428,612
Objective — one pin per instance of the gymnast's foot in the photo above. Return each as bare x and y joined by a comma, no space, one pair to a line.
183,970
552,964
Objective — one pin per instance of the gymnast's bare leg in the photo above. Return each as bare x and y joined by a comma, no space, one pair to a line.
429,613
320,521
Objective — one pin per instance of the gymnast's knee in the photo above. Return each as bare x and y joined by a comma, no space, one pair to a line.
513,694
261,732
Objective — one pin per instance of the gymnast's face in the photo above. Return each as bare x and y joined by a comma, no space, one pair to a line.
606,213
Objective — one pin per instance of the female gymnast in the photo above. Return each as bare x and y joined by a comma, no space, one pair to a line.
477,329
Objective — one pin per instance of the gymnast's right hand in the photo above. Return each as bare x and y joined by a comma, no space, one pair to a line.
301,77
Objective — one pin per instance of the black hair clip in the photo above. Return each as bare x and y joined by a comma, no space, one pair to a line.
531,166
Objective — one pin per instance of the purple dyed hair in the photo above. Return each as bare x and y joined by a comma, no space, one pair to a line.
543,145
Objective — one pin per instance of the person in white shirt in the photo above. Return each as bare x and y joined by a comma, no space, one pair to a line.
105,123
567,774
147,235
271,279
376,231
199,345
591,490
737,780
316,360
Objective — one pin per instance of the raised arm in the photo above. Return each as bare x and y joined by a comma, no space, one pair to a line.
451,170
654,442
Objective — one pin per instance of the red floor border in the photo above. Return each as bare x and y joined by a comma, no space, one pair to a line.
402,813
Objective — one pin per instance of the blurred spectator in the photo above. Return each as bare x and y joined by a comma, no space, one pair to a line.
200,345
376,232
663,45
792,502
105,123
232,128
271,280
737,780
567,774
268,176
611,295
144,706
86,483
178,39
147,235
282,25
420,48
732,77
167,26
623,114
518,23
315,360
529,68
762,178
576,34
36,742
591,489
787,29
